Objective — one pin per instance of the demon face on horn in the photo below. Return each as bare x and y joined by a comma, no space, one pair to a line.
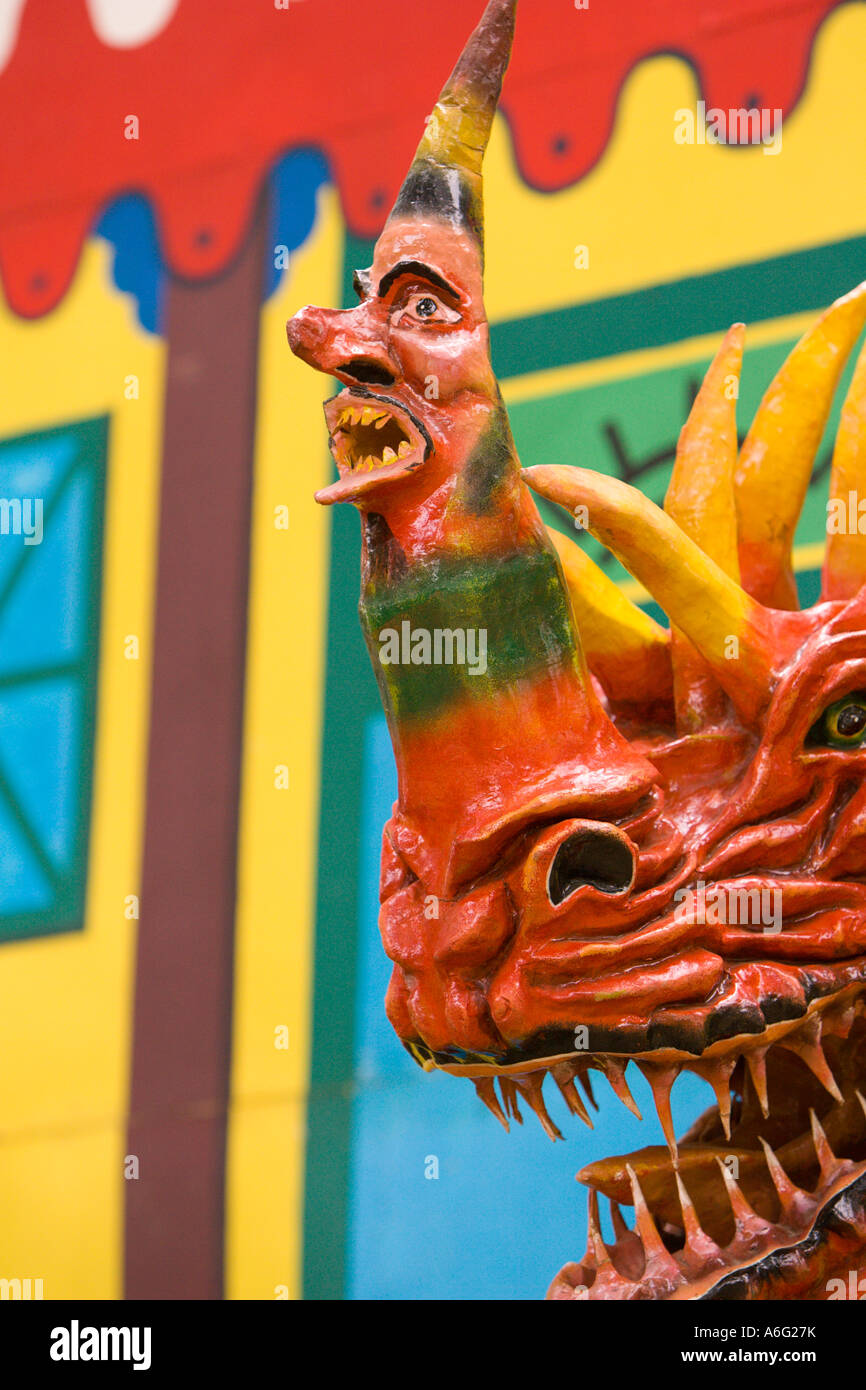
600,809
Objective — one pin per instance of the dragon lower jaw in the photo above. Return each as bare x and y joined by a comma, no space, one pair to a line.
764,1197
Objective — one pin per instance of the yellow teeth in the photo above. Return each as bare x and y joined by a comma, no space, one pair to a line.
365,417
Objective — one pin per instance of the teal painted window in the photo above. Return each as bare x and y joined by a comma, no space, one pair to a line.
52,491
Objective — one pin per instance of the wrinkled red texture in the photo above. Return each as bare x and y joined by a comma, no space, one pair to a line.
224,90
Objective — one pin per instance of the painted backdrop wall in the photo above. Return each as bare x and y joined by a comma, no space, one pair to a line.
201,1096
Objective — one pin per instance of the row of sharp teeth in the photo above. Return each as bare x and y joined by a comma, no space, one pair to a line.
368,415
658,1273
651,1269
388,456
365,415
804,1040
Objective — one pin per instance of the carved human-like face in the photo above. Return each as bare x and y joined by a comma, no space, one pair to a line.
624,843
414,357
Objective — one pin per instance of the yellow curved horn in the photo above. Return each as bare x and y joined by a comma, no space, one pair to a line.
845,563
740,640
700,499
623,646
776,460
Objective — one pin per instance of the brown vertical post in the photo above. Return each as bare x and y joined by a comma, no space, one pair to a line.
183,991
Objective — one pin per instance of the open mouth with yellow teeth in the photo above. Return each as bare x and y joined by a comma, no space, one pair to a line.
373,439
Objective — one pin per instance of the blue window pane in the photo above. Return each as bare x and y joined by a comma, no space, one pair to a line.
52,489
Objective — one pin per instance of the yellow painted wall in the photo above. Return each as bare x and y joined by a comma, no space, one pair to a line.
652,210
65,1001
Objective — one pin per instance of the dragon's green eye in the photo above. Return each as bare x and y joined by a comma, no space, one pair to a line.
843,725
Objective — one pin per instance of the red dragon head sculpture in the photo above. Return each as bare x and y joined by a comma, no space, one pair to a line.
612,841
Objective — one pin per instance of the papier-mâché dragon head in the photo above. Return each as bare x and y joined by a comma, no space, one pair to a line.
612,841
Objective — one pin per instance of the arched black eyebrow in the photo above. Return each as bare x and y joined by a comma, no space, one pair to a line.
424,272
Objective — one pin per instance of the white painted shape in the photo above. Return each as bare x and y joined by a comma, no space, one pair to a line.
127,23
10,15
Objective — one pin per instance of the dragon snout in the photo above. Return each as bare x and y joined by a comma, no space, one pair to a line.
598,857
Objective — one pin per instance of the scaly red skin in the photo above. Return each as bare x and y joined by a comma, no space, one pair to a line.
501,773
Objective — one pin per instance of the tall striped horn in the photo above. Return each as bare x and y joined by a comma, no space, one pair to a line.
700,499
742,642
444,179
845,563
776,460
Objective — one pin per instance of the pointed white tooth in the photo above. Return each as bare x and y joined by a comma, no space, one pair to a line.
717,1073
805,1043
585,1081
700,1252
659,1260
509,1098
531,1088
485,1089
661,1079
748,1224
831,1166
615,1073
791,1199
388,455
599,1249
756,1061
563,1074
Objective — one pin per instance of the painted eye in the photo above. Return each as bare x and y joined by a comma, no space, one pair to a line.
843,725
426,308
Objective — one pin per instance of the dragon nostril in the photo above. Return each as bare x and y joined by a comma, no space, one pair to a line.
597,858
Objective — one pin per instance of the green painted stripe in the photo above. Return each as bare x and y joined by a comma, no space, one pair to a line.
671,312
350,697
514,607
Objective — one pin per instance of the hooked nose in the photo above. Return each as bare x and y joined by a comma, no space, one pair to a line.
307,333
336,341
597,857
